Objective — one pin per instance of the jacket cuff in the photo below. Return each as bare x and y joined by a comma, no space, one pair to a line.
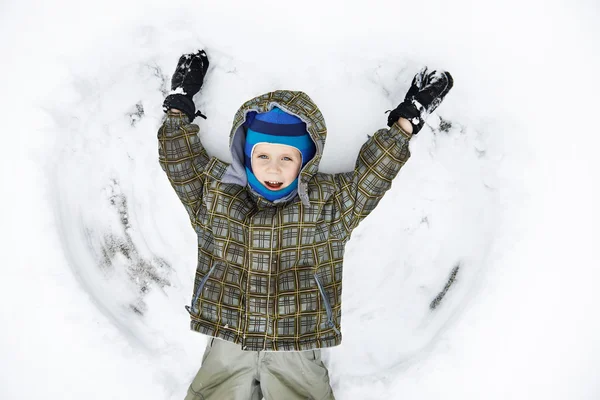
395,128
178,115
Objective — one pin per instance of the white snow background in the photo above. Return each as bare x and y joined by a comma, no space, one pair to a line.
99,257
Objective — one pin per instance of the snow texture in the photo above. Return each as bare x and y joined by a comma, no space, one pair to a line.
476,276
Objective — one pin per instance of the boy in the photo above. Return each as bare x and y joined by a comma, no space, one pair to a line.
272,230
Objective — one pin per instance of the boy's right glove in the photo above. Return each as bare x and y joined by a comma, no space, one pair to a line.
186,82
426,92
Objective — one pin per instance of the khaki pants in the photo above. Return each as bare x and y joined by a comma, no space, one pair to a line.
229,373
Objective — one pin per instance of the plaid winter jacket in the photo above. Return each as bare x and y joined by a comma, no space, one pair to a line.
269,275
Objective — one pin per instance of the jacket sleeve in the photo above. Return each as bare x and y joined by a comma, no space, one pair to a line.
184,159
379,161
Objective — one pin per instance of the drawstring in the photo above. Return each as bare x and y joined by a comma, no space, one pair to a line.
199,114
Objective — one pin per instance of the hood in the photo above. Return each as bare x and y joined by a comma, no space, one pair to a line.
292,102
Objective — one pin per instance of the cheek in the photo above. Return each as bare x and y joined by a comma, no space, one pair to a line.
293,171
298,166
257,167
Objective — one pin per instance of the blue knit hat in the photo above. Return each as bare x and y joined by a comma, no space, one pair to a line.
276,127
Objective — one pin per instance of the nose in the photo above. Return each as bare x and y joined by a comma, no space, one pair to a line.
273,166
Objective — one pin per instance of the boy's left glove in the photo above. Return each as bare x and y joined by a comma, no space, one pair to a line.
186,82
426,92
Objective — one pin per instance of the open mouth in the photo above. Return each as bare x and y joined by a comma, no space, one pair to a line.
273,185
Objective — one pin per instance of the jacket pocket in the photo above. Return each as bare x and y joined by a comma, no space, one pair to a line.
330,322
194,310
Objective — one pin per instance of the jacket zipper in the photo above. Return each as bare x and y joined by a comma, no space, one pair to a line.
193,310
327,306
269,277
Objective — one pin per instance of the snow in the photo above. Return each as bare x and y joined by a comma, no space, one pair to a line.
99,254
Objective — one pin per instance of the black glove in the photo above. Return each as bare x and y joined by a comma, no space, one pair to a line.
187,79
425,94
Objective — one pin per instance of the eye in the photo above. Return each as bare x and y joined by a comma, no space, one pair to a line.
287,159
262,156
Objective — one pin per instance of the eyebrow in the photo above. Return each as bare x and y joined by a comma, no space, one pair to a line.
290,154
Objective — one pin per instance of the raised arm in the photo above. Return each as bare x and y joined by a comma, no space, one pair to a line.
383,155
378,163
180,152
183,158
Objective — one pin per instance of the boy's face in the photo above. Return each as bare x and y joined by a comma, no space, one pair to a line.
276,165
